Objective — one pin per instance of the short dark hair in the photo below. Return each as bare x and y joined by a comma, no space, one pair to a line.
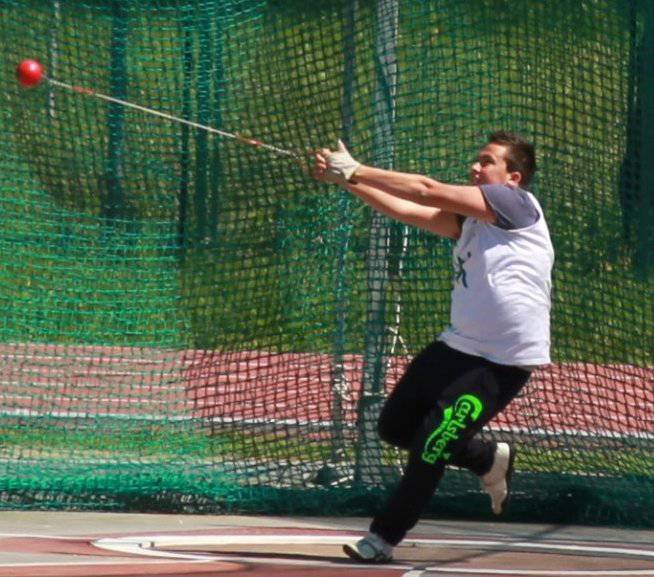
520,154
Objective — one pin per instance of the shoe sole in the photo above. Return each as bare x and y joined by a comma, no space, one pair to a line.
352,553
509,475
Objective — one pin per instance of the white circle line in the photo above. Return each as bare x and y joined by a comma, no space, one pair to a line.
146,545
281,539
82,563
39,536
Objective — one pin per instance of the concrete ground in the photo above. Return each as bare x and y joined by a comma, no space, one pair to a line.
69,544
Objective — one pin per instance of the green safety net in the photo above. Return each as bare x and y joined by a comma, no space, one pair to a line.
190,323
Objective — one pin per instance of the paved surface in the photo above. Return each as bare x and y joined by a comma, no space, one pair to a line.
46,544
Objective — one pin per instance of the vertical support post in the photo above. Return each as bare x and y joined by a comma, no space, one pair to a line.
340,385
185,146
215,166
644,253
203,71
368,469
53,56
115,199
636,179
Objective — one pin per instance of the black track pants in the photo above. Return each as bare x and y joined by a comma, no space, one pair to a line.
441,402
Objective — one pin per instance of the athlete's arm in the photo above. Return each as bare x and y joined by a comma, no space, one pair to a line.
339,167
432,219
464,200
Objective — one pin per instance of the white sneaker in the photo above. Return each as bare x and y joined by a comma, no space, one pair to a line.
497,482
371,549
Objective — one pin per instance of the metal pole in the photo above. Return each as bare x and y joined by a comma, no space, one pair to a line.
334,472
644,254
185,147
368,468
218,80
635,178
54,54
114,205
201,168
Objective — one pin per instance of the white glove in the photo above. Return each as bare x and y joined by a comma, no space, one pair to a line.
341,167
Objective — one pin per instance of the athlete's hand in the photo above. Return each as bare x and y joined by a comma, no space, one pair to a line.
335,166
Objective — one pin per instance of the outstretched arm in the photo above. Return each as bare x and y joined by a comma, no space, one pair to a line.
428,218
339,167
463,200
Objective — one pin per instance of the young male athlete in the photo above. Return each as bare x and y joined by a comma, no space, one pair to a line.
499,322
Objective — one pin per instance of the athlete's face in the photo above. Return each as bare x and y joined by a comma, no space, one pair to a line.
490,167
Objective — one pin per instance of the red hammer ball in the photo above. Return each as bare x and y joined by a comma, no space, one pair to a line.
29,72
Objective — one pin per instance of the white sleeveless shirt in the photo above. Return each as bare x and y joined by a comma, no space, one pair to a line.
501,296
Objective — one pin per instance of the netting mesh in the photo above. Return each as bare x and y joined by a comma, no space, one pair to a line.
193,324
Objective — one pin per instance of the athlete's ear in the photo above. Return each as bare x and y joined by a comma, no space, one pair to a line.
515,178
